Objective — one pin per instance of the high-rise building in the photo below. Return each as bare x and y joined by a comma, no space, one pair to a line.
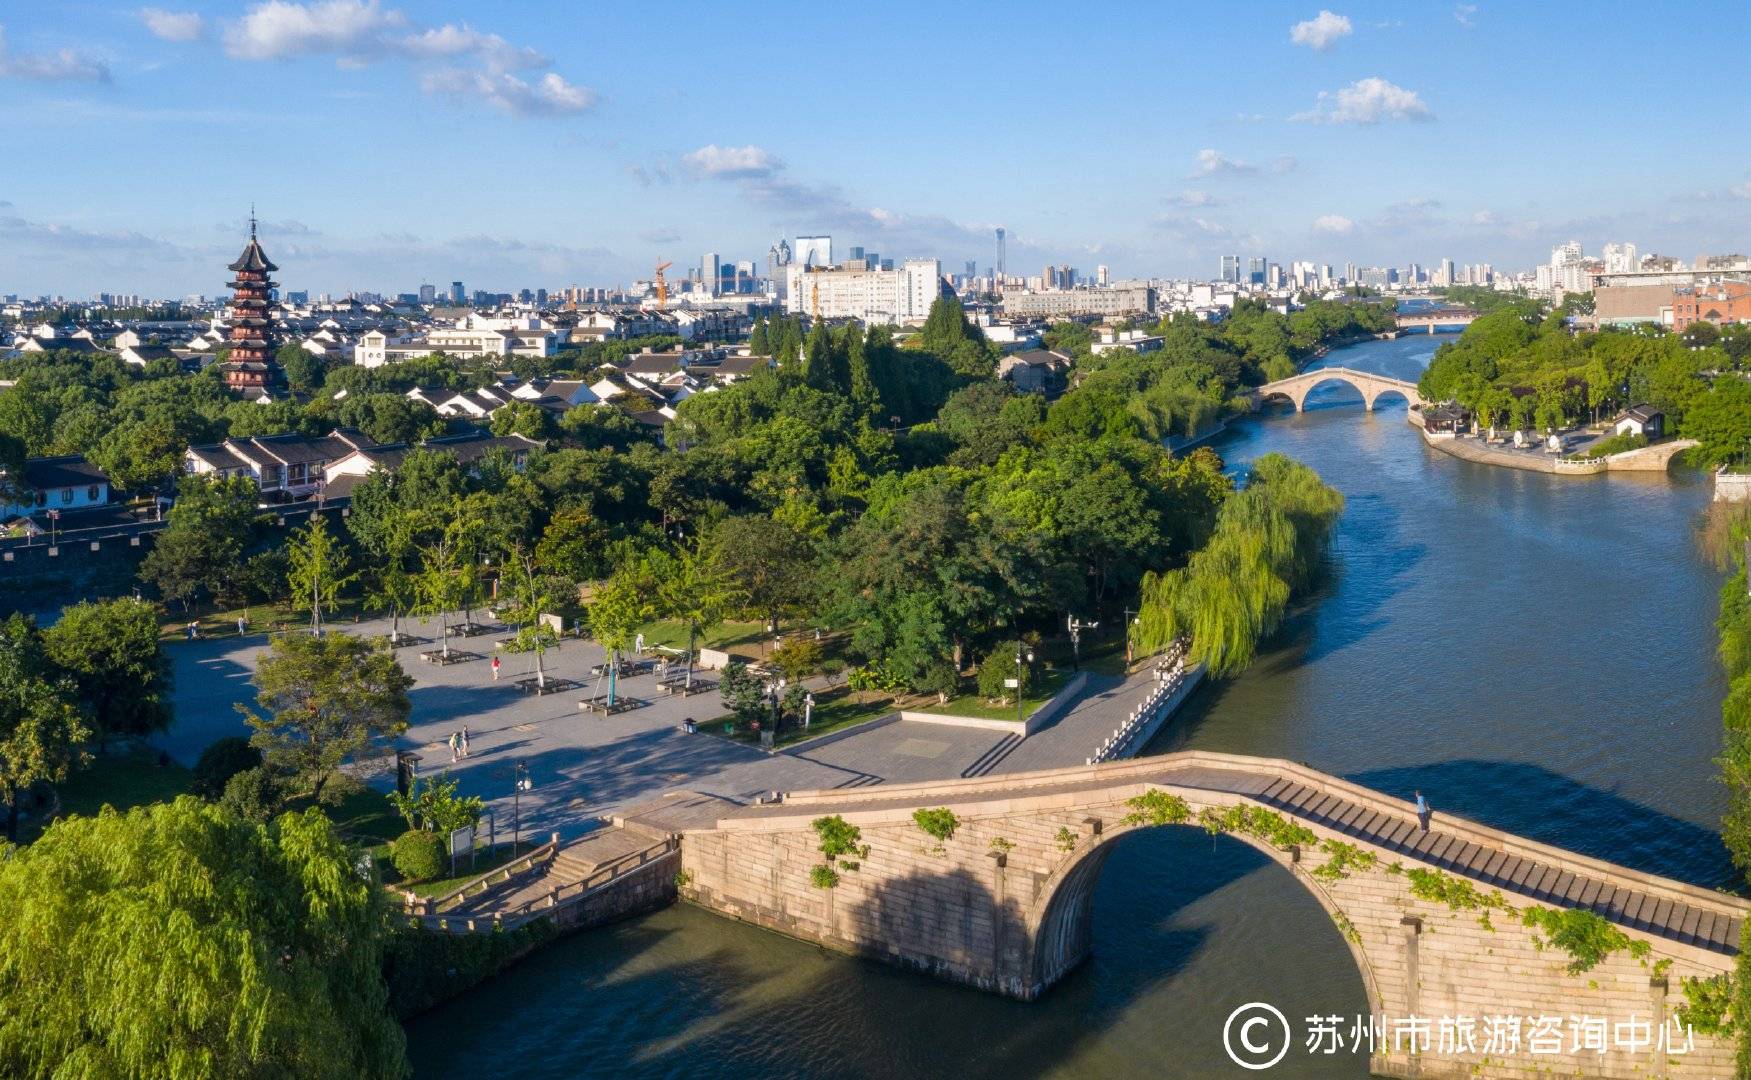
457,294
428,294
1255,270
972,269
1446,277
814,251
1620,258
857,292
1100,276
1231,268
1000,253
710,271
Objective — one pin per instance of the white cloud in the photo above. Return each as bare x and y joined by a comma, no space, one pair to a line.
1484,217
450,40
1333,223
173,25
549,95
1322,31
1740,191
1366,101
63,65
1216,163
1193,198
278,29
1465,15
732,162
358,33
659,236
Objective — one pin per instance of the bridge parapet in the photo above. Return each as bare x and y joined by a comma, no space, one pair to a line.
1004,904
1366,383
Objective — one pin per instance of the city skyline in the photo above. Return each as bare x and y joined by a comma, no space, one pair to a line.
390,144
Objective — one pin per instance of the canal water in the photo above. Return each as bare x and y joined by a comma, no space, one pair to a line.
1531,651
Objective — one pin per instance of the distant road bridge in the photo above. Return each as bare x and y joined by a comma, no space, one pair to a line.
1435,918
1369,385
1436,320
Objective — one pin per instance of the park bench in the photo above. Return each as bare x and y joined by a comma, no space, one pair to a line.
455,656
553,685
600,705
677,684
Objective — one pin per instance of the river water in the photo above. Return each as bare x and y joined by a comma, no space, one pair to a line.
1531,651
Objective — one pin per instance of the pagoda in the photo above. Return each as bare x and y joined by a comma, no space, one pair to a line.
251,364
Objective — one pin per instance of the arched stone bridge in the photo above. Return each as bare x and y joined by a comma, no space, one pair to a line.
1368,384
1004,904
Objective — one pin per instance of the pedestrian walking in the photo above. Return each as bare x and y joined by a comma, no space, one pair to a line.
1422,812
464,740
242,626
455,747
638,645
495,669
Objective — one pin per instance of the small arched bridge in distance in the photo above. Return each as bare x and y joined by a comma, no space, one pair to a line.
1371,386
1005,902
1436,320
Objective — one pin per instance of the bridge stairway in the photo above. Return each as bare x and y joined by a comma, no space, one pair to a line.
1670,919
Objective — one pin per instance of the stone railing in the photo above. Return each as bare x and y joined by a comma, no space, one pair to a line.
413,904
555,899
1170,674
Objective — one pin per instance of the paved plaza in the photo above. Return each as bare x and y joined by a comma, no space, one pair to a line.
583,765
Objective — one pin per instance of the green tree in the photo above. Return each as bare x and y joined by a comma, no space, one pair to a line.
178,940
40,728
324,700
618,608
317,569
111,650
691,589
392,585
438,586
530,595
205,535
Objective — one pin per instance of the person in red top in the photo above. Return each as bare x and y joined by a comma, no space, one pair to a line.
495,669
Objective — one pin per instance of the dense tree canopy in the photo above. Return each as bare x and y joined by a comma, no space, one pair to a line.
178,941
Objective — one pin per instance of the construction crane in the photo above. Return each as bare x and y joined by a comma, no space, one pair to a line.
662,285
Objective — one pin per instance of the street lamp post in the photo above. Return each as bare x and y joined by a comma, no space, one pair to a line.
522,784
1018,678
1076,628
1132,618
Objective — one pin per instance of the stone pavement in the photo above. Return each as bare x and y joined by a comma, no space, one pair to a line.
583,766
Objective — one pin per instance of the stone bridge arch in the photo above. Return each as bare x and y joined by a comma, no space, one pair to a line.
1432,918
1060,922
1371,387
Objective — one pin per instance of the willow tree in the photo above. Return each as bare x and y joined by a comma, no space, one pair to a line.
178,940
1268,544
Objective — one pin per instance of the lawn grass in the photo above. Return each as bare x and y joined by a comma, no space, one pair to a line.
279,615
361,814
485,862
123,781
834,709
723,636
1044,689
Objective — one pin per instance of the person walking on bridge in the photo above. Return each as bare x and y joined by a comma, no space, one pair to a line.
1422,812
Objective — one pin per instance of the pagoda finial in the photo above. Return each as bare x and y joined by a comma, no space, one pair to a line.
252,220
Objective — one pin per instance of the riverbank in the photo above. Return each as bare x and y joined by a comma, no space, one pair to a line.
1656,458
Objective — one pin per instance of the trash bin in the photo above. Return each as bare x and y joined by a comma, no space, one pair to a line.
689,726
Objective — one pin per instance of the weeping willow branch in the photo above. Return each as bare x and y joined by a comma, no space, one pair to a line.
1268,544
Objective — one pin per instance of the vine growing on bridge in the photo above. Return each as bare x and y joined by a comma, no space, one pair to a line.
1587,937
839,840
1154,807
939,823
1708,1005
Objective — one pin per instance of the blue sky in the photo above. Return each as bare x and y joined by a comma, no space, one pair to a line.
547,143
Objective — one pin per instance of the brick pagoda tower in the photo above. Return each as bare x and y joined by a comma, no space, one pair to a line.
251,364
